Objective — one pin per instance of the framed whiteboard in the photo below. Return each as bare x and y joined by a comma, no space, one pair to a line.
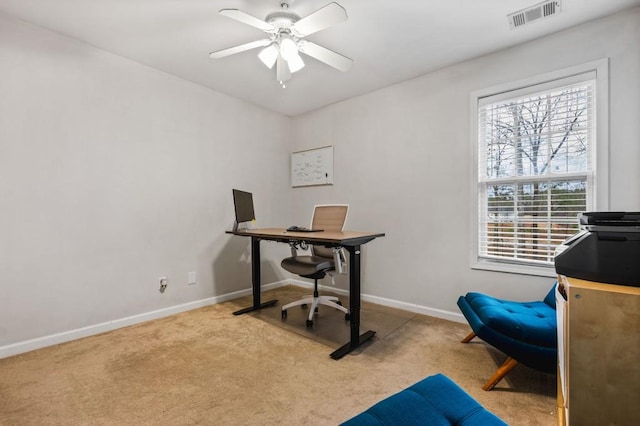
312,167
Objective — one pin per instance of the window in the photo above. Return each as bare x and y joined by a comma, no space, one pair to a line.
536,170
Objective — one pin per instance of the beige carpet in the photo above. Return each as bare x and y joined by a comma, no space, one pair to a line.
210,367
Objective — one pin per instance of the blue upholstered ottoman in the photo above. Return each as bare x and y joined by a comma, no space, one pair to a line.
433,401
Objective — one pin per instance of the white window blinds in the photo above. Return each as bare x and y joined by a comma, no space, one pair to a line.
535,169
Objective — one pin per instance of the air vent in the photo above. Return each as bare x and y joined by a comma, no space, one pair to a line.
530,14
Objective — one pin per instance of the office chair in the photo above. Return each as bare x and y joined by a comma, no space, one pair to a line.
328,217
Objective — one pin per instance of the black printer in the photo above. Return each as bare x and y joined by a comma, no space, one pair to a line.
606,250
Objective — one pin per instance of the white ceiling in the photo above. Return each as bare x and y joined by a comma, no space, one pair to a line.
389,41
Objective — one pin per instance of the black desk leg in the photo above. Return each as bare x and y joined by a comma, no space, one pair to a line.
255,280
354,306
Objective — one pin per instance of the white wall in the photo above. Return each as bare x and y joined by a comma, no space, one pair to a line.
403,161
114,174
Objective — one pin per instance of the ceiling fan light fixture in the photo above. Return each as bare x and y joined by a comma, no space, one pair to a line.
268,55
295,63
288,48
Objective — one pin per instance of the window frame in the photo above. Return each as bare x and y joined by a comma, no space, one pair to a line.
600,188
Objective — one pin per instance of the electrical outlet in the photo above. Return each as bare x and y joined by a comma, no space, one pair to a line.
191,278
163,284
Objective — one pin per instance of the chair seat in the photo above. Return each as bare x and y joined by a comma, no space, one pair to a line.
531,322
307,266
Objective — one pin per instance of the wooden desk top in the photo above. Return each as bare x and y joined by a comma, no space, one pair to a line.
345,238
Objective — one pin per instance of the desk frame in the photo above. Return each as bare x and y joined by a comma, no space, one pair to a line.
351,241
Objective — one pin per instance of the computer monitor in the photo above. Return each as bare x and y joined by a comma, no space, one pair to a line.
243,203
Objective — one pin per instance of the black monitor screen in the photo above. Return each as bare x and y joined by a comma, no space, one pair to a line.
243,202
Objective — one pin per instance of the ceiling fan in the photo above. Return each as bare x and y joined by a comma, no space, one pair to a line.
285,41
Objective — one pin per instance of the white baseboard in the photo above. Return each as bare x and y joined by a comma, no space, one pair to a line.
410,307
67,336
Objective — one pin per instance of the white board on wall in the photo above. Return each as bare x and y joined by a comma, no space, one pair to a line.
312,167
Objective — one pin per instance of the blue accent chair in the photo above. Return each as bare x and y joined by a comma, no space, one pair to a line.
525,331
434,401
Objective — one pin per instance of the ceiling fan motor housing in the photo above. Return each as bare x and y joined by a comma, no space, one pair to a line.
282,20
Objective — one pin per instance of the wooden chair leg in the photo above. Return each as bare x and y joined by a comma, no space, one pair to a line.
469,337
508,365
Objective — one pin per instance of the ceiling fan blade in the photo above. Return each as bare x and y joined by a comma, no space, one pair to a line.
325,55
282,70
245,18
237,49
322,18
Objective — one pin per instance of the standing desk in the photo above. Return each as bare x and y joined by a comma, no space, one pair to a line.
350,240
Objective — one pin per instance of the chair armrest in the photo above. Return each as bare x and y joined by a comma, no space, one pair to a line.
340,260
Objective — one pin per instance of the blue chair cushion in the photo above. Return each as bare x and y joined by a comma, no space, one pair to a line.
530,322
435,401
526,331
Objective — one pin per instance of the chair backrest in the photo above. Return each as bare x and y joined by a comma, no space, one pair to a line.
328,217
550,298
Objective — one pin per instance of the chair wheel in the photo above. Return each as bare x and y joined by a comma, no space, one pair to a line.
347,317
303,306
284,313
309,323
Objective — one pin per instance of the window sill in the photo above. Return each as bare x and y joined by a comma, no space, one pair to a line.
511,268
